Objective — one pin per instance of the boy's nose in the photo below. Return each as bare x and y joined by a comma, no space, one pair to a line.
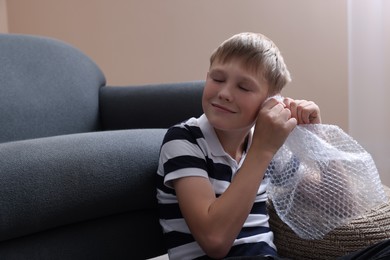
225,93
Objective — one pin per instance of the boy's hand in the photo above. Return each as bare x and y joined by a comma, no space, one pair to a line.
305,112
277,119
274,123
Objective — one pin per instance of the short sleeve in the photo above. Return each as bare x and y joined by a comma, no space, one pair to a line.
181,156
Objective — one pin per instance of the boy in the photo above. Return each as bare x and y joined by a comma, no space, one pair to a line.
211,187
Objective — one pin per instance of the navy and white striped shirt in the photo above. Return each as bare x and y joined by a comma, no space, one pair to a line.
193,149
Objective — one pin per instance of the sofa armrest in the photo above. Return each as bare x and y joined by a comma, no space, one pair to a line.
55,181
149,106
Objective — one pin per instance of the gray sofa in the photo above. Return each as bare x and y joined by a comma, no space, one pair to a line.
78,158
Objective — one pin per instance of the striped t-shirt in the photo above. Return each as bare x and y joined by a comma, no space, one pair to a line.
193,149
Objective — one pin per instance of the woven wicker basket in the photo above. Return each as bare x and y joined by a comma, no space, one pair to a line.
373,227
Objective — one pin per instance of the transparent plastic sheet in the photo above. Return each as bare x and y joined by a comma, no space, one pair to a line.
321,178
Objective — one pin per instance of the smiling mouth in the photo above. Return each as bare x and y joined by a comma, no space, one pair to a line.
222,108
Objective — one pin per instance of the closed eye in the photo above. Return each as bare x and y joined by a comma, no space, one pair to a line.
218,80
243,88
217,76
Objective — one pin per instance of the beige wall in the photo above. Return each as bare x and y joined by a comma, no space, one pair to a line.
3,17
151,41
369,77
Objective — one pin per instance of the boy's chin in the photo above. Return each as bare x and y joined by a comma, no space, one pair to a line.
223,127
223,124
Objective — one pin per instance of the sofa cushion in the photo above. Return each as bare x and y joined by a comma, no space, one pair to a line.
55,181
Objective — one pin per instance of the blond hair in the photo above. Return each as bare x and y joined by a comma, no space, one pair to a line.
258,53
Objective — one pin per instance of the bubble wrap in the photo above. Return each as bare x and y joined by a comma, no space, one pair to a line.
320,179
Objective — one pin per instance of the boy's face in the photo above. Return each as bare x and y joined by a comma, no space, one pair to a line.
233,96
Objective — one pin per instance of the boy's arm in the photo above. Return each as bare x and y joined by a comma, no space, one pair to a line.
216,222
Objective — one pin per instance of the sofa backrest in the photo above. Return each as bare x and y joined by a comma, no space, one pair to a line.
47,88
150,106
